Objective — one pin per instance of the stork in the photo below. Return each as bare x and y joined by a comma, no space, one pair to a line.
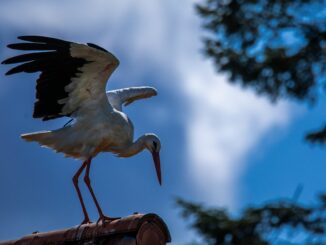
72,84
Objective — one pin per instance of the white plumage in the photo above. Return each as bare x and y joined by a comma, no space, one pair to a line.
73,83
99,129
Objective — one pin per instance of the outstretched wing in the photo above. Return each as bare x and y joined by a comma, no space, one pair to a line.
126,96
73,76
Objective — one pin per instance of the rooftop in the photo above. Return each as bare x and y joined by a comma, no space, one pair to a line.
140,229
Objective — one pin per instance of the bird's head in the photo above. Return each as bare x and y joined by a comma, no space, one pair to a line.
153,144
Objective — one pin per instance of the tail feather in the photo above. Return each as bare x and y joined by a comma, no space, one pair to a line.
43,137
53,140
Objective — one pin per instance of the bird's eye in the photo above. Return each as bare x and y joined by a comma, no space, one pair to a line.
155,145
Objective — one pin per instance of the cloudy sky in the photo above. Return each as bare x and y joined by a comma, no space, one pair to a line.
222,145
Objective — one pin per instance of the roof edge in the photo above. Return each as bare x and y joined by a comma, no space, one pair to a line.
125,225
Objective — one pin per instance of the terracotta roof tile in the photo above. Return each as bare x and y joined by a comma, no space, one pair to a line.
140,229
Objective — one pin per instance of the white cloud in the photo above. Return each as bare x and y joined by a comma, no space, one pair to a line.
224,126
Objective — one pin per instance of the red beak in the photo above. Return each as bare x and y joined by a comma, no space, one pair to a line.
157,162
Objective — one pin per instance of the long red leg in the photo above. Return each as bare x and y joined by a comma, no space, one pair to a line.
75,181
87,180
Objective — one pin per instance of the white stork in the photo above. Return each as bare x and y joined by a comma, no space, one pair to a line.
72,83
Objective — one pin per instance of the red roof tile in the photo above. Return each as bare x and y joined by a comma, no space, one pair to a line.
140,229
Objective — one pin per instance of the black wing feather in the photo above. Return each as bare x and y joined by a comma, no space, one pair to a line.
47,40
57,69
97,47
29,57
32,46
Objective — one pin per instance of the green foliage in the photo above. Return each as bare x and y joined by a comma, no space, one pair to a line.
318,136
276,47
258,225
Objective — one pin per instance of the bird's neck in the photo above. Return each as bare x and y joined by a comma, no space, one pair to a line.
134,148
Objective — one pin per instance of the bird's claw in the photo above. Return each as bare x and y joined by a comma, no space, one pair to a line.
104,220
86,221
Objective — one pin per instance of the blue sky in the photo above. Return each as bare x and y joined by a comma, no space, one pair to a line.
221,145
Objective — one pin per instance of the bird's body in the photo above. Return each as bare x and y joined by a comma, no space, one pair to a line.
87,139
102,132
72,83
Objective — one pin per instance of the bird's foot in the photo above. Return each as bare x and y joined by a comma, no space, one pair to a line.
104,220
86,221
